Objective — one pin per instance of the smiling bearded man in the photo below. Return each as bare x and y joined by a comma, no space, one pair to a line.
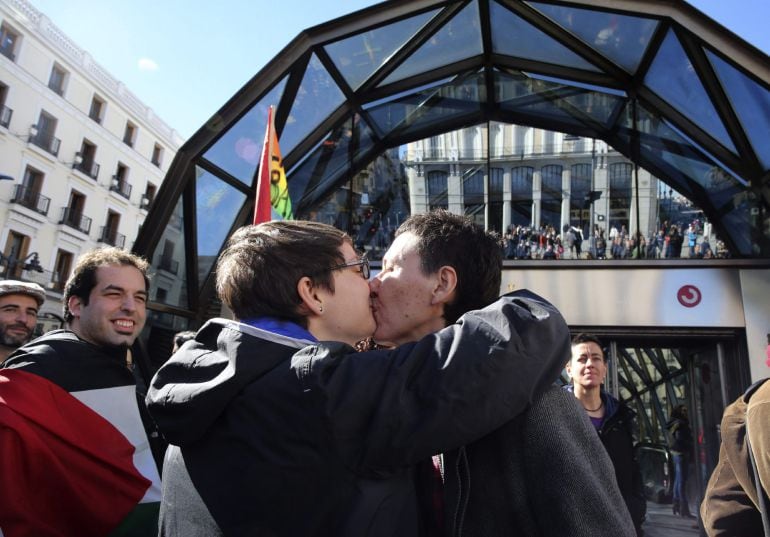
76,453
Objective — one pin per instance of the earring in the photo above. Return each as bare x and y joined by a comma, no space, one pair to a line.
320,309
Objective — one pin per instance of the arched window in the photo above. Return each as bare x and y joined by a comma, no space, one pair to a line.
550,206
580,186
620,174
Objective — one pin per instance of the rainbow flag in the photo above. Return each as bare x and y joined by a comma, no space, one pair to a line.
272,200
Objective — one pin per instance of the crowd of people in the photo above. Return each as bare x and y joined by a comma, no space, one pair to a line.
669,242
417,402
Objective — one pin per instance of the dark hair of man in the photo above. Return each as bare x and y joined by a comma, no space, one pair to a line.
454,240
258,271
588,338
83,278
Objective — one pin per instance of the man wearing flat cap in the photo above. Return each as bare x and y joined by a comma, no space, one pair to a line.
19,304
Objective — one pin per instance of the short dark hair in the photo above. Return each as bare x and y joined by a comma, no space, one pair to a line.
588,338
258,271
83,278
454,240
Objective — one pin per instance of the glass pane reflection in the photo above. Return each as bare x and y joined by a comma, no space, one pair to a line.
621,38
238,150
317,97
359,56
518,92
457,40
461,97
514,36
321,171
674,79
168,284
216,206
750,101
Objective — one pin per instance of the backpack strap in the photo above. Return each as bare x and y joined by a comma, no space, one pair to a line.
762,499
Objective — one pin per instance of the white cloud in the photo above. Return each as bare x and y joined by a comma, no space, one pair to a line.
146,64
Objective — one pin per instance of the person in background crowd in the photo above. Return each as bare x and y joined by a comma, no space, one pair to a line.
76,451
612,419
681,448
19,304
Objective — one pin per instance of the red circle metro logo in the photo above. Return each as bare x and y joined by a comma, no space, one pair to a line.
689,296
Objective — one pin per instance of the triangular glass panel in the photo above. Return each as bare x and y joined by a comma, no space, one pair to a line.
672,76
238,150
572,104
317,97
461,97
513,36
315,176
621,38
168,263
359,56
216,206
750,101
458,39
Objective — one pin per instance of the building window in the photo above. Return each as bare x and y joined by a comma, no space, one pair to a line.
580,186
167,261
129,135
521,195
45,139
157,155
58,79
97,109
149,196
119,181
61,270
550,207
437,190
87,164
620,194
495,196
72,214
109,233
9,41
28,192
473,195
5,112
15,250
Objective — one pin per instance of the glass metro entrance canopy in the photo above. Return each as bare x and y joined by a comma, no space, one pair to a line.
660,82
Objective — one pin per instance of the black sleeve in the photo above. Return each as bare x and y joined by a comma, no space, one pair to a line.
393,408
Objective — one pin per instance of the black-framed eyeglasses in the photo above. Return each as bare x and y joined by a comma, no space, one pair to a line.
363,262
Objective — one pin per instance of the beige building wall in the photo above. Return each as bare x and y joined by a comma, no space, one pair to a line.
85,179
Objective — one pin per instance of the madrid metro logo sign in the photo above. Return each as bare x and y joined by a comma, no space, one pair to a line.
689,296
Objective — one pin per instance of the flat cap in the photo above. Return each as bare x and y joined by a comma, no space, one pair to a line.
16,287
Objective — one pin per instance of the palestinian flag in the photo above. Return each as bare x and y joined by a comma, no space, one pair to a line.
73,463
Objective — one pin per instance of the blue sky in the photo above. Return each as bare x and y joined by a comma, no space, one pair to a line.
186,58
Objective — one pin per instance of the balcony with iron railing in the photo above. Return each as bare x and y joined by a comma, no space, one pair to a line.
107,235
46,141
169,265
5,116
121,187
76,220
89,168
569,147
30,199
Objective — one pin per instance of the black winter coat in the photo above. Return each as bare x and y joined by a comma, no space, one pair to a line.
326,442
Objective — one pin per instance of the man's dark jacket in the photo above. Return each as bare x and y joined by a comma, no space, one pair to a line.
326,441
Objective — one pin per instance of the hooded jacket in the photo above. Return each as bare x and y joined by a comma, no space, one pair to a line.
270,441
